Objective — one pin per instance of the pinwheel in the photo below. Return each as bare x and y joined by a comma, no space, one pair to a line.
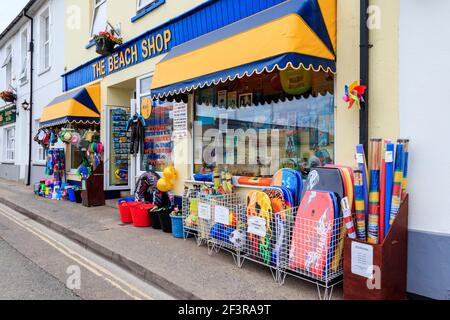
354,94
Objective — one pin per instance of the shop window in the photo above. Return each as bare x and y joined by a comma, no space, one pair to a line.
157,147
10,144
254,126
98,17
76,158
45,40
24,55
158,143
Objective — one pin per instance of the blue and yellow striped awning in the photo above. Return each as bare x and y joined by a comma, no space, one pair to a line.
80,106
295,34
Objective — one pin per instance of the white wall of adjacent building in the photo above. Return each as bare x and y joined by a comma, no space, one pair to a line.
13,75
425,118
48,67
424,110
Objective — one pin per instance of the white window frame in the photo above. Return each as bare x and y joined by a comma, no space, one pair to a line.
9,51
5,145
24,56
94,8
43,42
39,150
140,7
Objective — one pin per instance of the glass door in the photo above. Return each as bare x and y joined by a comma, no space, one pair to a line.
117,149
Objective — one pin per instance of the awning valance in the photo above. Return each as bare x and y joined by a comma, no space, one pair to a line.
80,106
295,34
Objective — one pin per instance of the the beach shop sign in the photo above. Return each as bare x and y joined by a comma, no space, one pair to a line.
134,53
203,19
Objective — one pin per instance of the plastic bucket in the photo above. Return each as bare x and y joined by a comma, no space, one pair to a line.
126,199
156,223
177,226
125,213
140,216
147,208
78,198
71,194
166,221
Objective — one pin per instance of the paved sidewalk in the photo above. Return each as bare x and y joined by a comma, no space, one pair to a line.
179,267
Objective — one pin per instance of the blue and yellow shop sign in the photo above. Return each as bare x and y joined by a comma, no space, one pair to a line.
130,55
205,18
8,115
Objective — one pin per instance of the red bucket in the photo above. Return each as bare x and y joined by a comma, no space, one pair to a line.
140,215
125,213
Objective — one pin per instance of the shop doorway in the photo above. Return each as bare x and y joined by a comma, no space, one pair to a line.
155,152
118,161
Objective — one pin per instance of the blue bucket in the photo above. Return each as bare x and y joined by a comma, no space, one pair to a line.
177,227
71,194
126,199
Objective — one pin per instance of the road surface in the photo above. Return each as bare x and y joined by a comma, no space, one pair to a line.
39,264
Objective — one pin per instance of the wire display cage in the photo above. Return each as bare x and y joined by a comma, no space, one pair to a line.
266,235
314,251
283,241
226,226
190,207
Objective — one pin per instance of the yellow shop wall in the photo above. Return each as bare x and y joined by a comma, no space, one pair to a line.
119,12
384,119
384,113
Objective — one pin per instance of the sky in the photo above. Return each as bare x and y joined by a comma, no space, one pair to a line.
10,9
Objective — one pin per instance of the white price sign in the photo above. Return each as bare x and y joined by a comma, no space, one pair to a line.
362,259
221,215
256,226
204,211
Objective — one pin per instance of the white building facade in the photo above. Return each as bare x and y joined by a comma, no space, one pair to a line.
31,56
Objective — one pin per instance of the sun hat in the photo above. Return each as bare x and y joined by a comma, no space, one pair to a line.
88,135
76,139
67,137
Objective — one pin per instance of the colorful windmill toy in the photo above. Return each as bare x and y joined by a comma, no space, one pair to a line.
354,94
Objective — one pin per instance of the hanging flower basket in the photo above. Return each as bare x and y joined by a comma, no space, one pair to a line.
106,42
8,96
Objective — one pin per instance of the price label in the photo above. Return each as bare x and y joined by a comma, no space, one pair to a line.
360,158
204,211
221,215
257,226
389,156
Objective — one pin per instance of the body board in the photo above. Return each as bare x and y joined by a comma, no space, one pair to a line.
312,233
